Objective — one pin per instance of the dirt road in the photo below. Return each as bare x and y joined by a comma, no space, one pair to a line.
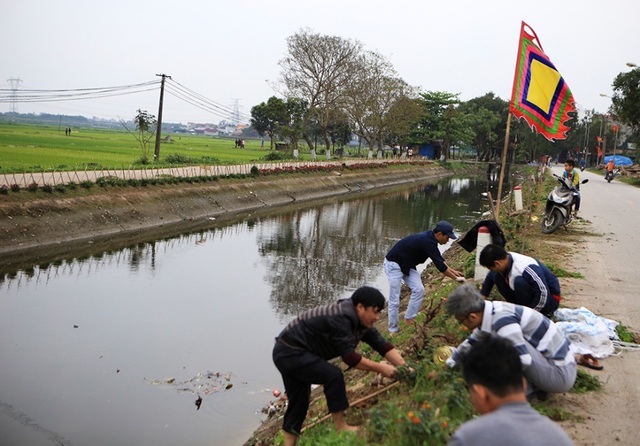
608,260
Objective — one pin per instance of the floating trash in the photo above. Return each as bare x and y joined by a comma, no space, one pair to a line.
202,385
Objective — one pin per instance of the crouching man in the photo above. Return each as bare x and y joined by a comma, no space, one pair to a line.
307,343
548,364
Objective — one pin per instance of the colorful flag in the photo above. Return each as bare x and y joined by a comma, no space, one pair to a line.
599,138
599,151
540,95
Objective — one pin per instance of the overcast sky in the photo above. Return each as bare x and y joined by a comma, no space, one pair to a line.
228,51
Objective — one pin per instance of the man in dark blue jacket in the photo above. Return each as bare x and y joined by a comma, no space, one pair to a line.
305,346
400,266
520,279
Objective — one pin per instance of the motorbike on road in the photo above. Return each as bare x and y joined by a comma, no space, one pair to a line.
611,174
559,208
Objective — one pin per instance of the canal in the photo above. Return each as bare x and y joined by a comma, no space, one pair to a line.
117,348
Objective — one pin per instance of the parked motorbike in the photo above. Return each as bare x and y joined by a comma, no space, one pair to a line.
610,175
559,208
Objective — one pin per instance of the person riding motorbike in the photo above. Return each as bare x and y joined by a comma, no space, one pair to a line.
573,175
609,169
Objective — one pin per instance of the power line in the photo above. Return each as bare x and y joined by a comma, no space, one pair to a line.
15,95
194,98
77,94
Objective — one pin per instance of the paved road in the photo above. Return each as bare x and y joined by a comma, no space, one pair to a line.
611,288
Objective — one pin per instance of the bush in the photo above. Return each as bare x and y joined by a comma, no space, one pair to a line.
47,188
86,184
4,189
15,188
110,181
72,185
60,188
174,158
142,160
275,156
32,187
255,171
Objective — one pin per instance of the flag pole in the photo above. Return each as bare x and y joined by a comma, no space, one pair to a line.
502,168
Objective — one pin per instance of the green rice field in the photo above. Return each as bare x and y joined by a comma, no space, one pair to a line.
35,148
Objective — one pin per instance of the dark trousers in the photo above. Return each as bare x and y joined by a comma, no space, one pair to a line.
299,369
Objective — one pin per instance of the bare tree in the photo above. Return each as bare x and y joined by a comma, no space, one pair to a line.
316,70
379,102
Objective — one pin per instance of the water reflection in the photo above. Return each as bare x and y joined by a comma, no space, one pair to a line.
101,326
313,256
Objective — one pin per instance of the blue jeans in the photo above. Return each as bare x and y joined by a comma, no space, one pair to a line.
413,281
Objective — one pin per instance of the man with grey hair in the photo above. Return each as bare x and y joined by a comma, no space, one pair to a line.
548,364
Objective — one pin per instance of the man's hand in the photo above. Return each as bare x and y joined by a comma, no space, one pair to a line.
388,371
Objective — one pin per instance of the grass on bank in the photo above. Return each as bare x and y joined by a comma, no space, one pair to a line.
429,403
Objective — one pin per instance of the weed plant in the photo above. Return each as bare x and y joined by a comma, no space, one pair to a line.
431,400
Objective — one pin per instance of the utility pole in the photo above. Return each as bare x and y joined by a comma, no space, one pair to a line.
156,153
14,82
236,112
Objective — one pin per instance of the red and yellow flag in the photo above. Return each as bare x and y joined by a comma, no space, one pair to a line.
540,95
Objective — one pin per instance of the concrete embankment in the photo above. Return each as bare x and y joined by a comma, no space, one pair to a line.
46,227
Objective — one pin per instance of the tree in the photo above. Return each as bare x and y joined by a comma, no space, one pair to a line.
315,70
442,121
373,91
403,116
146,125
487,116
626,100
292,129
269,117
340,131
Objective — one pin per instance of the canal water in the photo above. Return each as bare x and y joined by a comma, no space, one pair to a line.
170,342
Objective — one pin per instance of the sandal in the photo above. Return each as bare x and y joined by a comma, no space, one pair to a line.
589,361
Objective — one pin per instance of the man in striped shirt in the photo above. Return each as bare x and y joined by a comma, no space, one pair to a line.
548,364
